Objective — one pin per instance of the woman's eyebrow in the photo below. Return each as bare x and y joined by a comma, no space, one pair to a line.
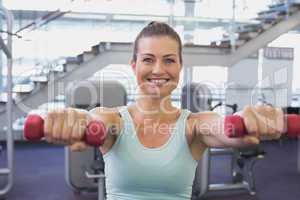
169,55
147,54
152,55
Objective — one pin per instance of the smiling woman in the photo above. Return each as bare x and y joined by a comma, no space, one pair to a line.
151,147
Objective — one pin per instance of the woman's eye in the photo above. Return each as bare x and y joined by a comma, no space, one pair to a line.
147,60
169,61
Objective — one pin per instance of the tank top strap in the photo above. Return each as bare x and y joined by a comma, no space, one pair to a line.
124,112
184,115
128,123
181,123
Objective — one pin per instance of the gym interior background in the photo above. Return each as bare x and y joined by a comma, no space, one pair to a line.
236,52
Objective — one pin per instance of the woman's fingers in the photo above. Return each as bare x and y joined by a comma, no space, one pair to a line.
269,121
250,120
58,124
69,121
65,126
48,125
251,140
78,146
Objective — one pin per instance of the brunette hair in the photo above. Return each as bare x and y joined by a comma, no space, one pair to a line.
155,28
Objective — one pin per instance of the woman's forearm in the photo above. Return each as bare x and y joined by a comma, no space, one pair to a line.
211,129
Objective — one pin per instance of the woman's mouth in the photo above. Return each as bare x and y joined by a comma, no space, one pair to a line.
158,82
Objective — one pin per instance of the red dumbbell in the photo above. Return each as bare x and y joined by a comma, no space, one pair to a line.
94,135
234,126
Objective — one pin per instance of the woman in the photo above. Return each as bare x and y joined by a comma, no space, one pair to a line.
152,148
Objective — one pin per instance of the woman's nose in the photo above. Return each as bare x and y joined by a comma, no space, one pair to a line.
158,68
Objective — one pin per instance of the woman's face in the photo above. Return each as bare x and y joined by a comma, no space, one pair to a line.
158,66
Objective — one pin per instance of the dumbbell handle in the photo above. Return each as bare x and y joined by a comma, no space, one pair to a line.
234,126
94,135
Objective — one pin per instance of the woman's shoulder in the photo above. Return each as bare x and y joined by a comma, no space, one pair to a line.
110,114
204,114
112,119
200,117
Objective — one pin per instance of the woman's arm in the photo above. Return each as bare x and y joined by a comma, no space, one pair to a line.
261,122
208,128
113,123
112,120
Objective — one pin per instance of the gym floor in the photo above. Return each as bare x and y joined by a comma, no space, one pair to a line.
39,174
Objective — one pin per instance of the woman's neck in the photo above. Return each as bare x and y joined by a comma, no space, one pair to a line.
155,107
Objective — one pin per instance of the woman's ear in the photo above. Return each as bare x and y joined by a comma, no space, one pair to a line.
133,66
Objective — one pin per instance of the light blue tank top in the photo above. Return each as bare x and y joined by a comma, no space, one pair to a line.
135,172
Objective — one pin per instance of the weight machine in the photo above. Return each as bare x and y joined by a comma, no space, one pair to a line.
198,97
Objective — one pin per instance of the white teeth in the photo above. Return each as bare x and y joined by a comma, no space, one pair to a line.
158,81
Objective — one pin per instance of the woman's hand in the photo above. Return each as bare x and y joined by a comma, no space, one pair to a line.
262,123
66,126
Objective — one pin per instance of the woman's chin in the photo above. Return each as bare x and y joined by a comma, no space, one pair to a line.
159,94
